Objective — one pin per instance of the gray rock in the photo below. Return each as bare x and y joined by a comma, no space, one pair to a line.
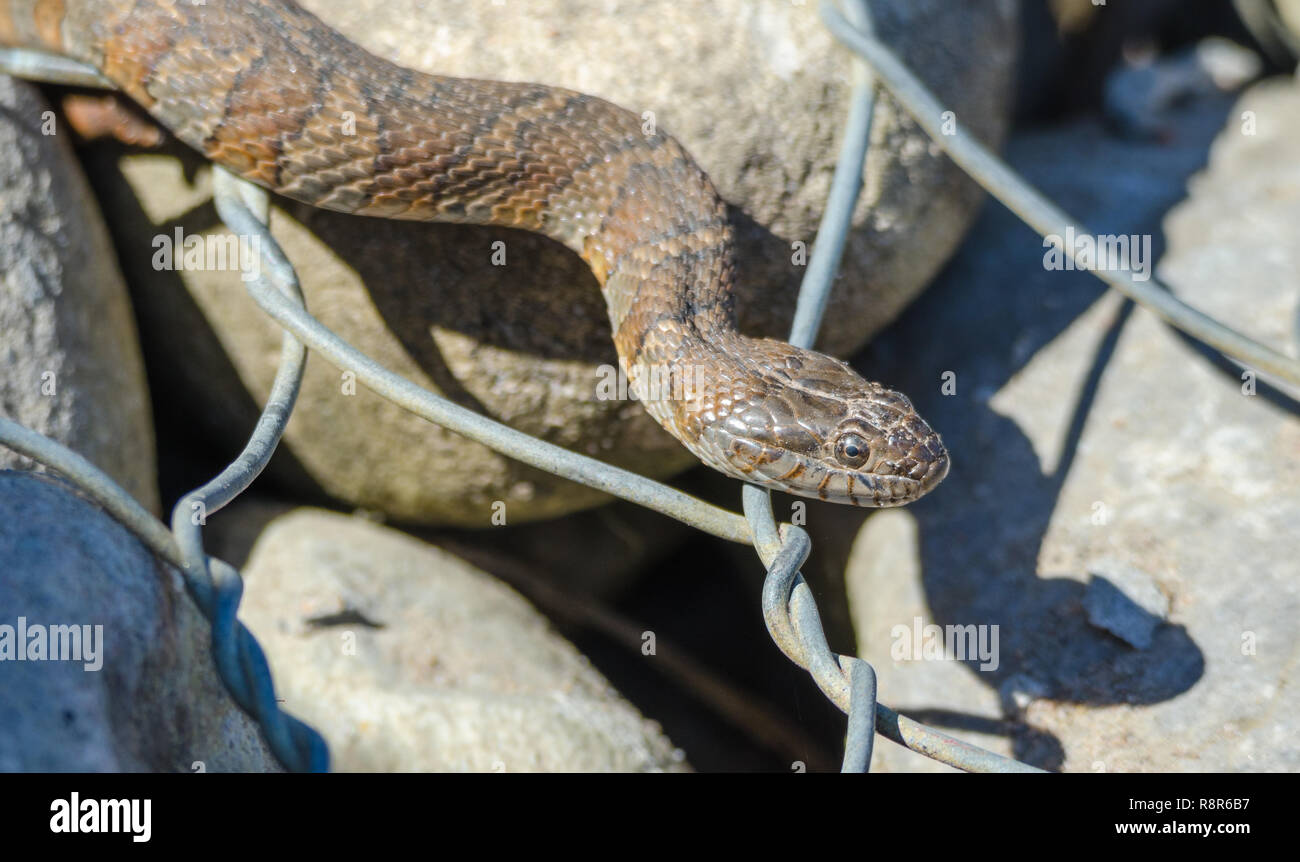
1125,601
408,659
882,575
70,365
154,703
598,553
1289,13
1110,608
1090,438
758,93
1275,24
1018,691
1139,93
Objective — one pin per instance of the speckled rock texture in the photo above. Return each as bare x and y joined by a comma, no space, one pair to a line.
408,659
1123,503
70,363
148,699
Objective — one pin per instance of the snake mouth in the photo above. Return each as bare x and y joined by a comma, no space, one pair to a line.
882,487
874,490
885,489
883,481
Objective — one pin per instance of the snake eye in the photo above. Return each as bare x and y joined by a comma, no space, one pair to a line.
852,450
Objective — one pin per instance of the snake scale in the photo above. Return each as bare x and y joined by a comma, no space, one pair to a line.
270,92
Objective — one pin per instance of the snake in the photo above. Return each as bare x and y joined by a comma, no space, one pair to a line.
273,94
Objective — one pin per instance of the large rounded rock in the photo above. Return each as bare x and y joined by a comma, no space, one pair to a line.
409,659
139,692
1123,503
70,364
757,92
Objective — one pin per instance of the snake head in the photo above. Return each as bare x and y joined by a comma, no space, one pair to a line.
818,429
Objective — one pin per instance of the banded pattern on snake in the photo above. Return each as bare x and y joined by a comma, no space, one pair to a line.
267,90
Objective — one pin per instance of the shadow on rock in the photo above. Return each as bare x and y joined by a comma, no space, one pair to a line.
993,324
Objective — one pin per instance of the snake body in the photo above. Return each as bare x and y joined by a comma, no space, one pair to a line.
270,92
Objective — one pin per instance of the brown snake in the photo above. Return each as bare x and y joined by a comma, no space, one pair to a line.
267,90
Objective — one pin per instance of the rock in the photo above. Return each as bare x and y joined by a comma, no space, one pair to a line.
1110,609
70,364
885,591
1018,691
1127,603
757,92
600,553
1275,25
149,699
408,659
1289,13
1090,439
1139,93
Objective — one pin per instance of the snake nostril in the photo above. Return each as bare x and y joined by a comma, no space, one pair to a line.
935,471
